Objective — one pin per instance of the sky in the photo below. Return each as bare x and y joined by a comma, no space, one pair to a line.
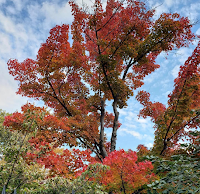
25,24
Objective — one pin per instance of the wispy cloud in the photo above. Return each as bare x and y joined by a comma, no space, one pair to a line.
175,71
191,10
198,31
149,145
124,131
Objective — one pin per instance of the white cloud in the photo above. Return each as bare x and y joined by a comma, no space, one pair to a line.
122,112
88,4
192,11
34,11
130,126
144,124
148,137
150,78
57,13
142,121
18,4
10,27
149,145
175,71
174,3
166,93
108,134
11,10
130,116
5,44
198,31
169,3
124,131
165,84
7,24
182,54
160,8
9,101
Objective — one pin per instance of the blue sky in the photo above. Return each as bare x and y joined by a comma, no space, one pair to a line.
25,24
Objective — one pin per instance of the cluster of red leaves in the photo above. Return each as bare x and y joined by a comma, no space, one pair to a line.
126,173
49,130
61,162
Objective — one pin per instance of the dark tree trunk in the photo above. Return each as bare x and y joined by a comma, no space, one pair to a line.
115,126
101,143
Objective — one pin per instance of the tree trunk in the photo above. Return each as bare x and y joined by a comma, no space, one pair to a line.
101,143
115,126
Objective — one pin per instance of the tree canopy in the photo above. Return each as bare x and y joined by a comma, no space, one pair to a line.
111,51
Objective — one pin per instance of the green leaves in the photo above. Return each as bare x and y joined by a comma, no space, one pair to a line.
14,171
179,174
81,185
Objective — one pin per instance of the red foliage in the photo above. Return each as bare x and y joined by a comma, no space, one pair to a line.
113,49
64,162
48,137
126,174
183,112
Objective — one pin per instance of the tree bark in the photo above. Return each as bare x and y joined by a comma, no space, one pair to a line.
115,126
101,143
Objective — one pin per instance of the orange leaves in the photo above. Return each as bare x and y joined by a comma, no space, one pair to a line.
126,174
56,76
64,162
18,69
25,73
122,36
153,110
113,49
15,120
56,49
185,98
26,120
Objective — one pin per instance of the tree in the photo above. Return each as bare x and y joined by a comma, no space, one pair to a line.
44,140
180,172
79,185
113,49
178,164
142,151
182,115
4,135
126,174
15,173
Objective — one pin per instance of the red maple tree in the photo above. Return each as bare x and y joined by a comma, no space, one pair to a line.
113,49
126,174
